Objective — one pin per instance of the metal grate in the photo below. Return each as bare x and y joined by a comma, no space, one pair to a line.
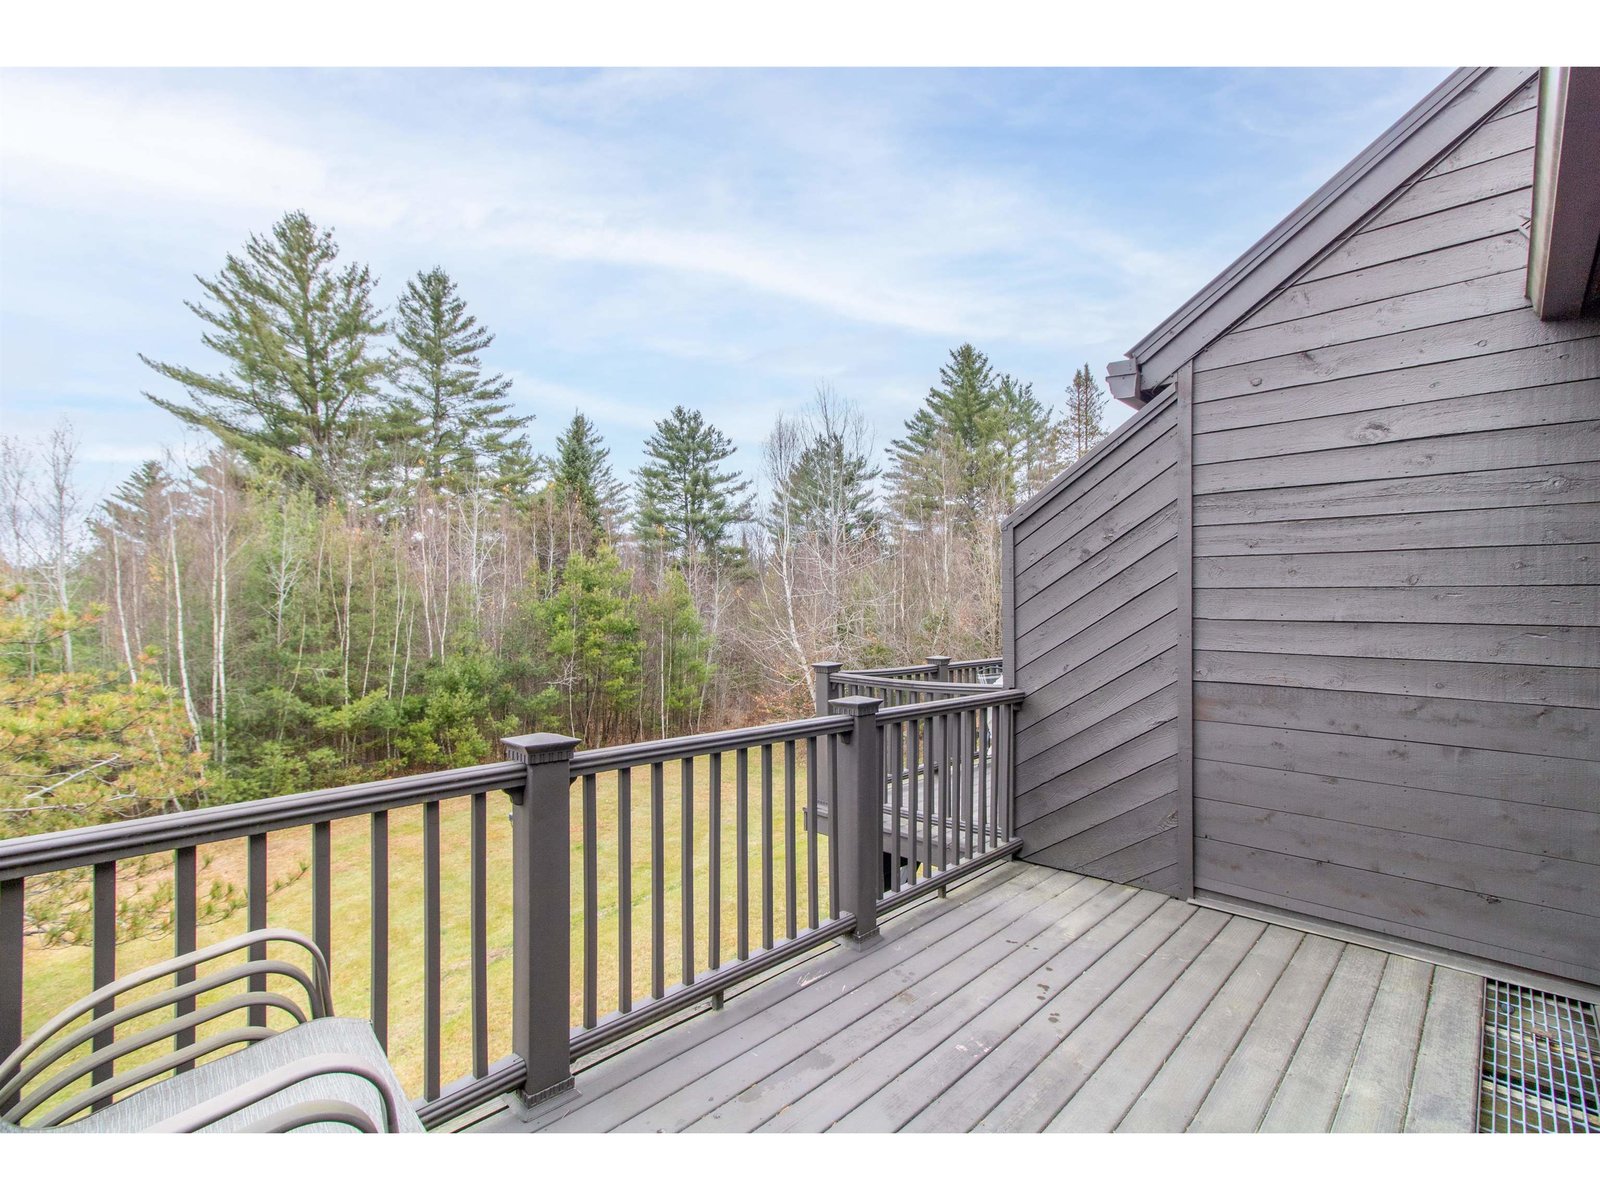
1541,1063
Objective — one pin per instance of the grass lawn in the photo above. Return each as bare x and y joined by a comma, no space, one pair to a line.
55,976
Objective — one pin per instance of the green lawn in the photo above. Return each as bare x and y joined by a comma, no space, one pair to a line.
54,976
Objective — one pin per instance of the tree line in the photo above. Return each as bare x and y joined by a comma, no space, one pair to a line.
377,569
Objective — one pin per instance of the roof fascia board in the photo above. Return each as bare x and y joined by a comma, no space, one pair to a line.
1566,192
1107,444
1437,122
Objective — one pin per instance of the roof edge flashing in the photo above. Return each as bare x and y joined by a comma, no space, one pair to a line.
1360,187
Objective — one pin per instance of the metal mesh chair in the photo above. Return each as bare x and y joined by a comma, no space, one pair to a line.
324,1073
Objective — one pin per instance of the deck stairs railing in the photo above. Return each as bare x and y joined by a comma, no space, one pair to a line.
642,879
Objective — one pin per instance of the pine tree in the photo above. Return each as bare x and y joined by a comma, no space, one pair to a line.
296,331
1086,406
687,507
584,483
951,463
592,649
1030,440
678,656
823,485
449,419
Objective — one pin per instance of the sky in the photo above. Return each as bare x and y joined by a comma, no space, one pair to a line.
728,240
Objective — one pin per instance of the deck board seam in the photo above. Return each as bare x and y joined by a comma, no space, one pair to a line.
1111,992
932,1008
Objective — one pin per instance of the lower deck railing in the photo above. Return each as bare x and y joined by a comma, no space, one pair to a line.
494,922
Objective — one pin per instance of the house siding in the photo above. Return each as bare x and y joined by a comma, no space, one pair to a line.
1355,612
1396,558
1095,624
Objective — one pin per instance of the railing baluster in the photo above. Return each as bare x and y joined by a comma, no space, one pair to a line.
625,889
430,950
986,758
686,864
105,958
766,846
184,921
813,769
1007,758
714,881
741,836
947,812
790,925
11,934
380,927
980,785
658,881
480,935
833,826
897,752
964,752
322,887
591,905
914,783
256,894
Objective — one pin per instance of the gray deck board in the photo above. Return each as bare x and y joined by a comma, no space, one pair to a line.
1180,1087
799,1063
1314,1084
1444,1096
1379,1087
1034,999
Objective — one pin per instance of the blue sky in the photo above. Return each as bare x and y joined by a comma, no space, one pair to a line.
722,239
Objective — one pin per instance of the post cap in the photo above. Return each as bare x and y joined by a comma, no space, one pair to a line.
535,748
858,705
939,658
827,666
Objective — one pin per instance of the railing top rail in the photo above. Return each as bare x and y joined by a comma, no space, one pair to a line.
914,685
638,754
980,663
965,703
61,849
889,672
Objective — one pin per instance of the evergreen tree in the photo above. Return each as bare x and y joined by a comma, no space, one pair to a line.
449,419
951,463
1030,440
678,656
295,330
584,483
824,482
687,507
1086,406
592,648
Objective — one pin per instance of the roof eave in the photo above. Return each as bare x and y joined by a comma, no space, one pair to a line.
1437,122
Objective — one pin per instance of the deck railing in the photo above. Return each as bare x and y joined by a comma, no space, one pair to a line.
938,677
643,879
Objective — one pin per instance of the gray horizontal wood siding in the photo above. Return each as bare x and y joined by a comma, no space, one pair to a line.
1396,670
1096,602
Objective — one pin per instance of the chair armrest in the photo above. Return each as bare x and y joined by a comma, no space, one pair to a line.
304,1112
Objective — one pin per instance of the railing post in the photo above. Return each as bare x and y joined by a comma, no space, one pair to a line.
822,694
858,815
822,685
541,922
941,667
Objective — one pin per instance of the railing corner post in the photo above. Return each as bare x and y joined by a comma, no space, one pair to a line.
541,850
941,667
822,685
858,815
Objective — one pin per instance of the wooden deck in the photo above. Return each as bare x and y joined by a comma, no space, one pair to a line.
1036,999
